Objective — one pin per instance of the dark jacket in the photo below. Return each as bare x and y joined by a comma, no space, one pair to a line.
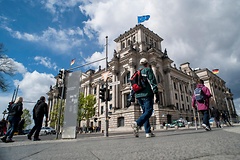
150,85
205,105
40,109
16,109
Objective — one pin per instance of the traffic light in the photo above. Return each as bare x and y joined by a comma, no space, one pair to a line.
108,95
102,94
61,74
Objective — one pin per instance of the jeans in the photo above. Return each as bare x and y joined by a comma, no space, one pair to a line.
13,120
205,114
146,104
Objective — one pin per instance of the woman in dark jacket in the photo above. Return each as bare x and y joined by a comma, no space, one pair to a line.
14,116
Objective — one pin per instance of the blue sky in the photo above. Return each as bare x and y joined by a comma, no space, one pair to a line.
44,36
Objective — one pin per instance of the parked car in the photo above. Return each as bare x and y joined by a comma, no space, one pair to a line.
211,120
177,123
47,130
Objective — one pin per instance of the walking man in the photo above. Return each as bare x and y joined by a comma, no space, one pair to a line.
39,110
145,99
201,98
14,116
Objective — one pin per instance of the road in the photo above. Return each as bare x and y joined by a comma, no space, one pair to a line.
190,144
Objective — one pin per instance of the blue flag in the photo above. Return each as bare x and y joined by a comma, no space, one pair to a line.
143,18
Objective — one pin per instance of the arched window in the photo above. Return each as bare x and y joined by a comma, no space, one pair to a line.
129,42
120,121
123,45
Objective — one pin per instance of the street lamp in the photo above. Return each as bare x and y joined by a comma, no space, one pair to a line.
4,112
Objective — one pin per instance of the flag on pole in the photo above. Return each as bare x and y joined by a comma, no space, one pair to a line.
72,62
143,18
215,71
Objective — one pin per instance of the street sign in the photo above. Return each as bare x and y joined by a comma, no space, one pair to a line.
114,83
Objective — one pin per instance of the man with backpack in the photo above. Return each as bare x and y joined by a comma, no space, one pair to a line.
200,99
15,111
40,109
145,97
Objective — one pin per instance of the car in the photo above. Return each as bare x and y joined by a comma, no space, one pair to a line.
47,130
211,120
178,123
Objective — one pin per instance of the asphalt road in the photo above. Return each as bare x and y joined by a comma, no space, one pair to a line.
190,144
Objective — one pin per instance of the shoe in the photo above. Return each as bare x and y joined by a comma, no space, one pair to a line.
149,135
208,128
29,137
135,129
9,140
36,139
204,126
4,139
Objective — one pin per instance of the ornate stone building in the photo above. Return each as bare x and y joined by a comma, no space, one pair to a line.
175,85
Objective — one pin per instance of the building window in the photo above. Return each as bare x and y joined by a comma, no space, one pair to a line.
126,96
120,121
183,108
101,109
187,98
174,84
134,39
110,106
95,90
177,106
129,42
176,97
182,97
158,79
180,87
110,97
126,78
123,45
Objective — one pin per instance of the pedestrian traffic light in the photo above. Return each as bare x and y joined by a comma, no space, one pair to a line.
102,94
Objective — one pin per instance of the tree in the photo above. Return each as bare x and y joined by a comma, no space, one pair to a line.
55,114
7,67
86,107
27,116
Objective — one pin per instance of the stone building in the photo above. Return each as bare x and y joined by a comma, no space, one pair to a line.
175,85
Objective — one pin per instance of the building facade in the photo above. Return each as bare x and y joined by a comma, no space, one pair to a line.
175,85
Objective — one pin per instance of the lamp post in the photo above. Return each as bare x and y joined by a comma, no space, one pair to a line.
4,112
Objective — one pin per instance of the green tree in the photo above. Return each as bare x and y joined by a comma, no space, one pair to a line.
27,116
55,113
86,107
7,67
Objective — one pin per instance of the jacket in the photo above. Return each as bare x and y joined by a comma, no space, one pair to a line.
205,105
40,109
15,109
150,83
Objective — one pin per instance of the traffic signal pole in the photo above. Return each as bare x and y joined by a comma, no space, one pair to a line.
106,102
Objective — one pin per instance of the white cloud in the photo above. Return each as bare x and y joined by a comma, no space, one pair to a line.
45,61
58,40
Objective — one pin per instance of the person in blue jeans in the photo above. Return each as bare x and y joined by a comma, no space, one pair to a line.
14,116
145,99
203,106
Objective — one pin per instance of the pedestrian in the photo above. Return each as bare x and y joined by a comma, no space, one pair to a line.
225,118
40,109
200,99
14,116
216,114
145,98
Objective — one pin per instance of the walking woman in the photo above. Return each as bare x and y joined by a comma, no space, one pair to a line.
14,116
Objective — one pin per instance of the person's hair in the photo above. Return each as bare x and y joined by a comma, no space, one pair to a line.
42,98
200,81
19,99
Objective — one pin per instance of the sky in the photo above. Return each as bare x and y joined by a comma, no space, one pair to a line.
42,37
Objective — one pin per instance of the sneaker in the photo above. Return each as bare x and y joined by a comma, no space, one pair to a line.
9,140
135,129
204,126
149,135
4,139
208,128
29,137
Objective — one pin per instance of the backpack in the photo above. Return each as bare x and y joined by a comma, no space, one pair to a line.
137,82
199,95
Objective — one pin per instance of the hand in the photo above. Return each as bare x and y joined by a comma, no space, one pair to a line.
157,98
